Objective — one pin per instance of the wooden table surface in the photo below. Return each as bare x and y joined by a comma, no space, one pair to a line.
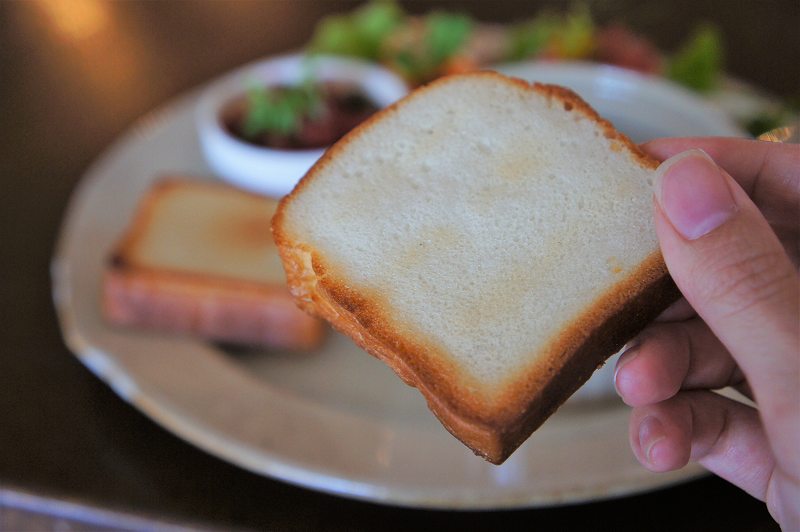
73,76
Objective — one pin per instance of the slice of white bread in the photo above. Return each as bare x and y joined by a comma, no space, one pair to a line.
489,239
198,258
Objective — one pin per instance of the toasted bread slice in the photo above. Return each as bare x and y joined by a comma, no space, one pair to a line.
489,239
199,259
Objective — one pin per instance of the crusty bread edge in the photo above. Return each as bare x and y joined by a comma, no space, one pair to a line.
492,431
208,308
570,360
584,345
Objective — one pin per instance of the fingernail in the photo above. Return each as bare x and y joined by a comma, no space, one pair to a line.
631,352
693,193
651,431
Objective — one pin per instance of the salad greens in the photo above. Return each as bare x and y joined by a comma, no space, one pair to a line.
782,114
445,34
530,38
421,48
381,31
577,36
698,65
280,110
360,33
568,36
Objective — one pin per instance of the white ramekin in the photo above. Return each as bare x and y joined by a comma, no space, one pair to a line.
269,171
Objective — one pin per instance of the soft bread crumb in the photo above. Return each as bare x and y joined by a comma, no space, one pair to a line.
506,190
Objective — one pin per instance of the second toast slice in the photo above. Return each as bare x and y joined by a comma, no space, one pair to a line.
199,259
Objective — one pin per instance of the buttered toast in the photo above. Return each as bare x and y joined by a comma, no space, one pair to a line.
199,259
489,239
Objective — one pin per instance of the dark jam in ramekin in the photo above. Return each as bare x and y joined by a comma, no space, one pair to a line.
341,107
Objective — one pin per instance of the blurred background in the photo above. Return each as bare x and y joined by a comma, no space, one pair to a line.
74,75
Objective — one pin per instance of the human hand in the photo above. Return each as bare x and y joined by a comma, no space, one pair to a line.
735,260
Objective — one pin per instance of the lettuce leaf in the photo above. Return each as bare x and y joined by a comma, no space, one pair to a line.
360,33
445,35
279,110
529,38
698,64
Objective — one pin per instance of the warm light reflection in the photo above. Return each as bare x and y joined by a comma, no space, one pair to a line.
76,19
104,56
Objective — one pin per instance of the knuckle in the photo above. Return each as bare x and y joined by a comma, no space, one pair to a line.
737,283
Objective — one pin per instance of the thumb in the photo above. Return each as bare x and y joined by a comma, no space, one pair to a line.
730,266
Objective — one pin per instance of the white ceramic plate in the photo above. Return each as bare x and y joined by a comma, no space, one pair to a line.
336,420
644,107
